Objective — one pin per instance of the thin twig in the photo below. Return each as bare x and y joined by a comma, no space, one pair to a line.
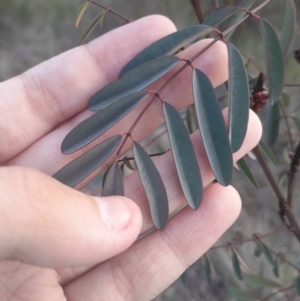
112,11
292,85
150,155
197,7
284,289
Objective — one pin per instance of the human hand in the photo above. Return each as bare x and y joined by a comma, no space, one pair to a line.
53,238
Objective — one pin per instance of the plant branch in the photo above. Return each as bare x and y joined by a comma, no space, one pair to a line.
284,210
292,85
109,9
151,155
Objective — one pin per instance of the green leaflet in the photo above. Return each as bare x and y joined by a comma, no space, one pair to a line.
207,270
113,181
94,126
80,168
239,98
167,45
274,60
92,26
133,81
213,128
298,285
236,266
268,152
267,253
184,157
220,16
83,7
272,124
153,185
276,269
289,25
244,168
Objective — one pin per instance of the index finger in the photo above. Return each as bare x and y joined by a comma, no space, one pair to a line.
35,102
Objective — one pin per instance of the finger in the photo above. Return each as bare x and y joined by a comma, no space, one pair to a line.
48,224
43,97
167,169
152,264
213,62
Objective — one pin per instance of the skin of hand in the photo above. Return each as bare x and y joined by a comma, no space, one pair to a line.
54,238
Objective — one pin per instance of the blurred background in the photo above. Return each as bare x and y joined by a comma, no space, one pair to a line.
36,30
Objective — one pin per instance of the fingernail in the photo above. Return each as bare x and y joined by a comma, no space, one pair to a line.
115,211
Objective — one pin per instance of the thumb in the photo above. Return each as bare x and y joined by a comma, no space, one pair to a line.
45,223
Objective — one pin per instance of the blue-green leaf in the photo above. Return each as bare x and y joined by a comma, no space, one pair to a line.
184,157
220,16
236,266
289,25
276,269
213,128
239,98
298,285
244,168
80,168
133,81
94,126
153,185
267,253
268,152
167,45
272,124
113,181
274,61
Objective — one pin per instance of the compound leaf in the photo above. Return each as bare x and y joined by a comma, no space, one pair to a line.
113,181
213,128
153,185
289,25
272,124
184,157
274,60
80,168
133,81
92,26
94,126
244,168
268,152
239,97
167,45
83,7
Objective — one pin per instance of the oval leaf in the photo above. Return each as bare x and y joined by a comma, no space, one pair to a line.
239,98
94,126
83,7
267,253
113,181
220,16
92,26
236,266
167,45
289,25
274,60
184,157
213,128
244,168
153,185
133,81
80,168
267,152
272,124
